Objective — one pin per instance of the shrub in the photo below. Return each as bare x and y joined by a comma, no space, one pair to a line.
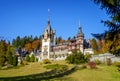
15,60
97,61
46,61
27,58
92,65
108,61
10,60
36,60
87,57
76,58
32,58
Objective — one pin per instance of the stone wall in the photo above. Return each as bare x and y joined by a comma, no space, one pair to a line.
103,57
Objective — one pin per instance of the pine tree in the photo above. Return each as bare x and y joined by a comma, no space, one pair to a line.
112,8
32,58
2,52
15,60
9,55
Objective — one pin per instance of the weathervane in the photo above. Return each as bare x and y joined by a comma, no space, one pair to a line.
48,11
79,23
48,14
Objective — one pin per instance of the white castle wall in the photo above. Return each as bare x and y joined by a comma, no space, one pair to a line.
103,57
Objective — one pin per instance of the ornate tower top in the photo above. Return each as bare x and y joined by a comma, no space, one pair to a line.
80,33
48,27
49,32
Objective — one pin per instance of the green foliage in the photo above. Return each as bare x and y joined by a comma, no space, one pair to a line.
92,65
27,58
16,42
10,60
15,60
20,42
76,58
87,57
2,52
36,60
112,8
2,60
32,58
46,61
94,45
9,55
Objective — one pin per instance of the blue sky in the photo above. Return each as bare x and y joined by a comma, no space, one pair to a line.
29,17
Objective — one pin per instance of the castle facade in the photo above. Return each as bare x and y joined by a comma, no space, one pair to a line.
52,51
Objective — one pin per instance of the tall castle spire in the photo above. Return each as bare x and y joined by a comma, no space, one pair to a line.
79,23
80,33
48,27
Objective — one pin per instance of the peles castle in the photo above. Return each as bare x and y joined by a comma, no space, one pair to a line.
52,51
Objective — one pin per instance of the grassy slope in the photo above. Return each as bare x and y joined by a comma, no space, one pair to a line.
103,73
32,68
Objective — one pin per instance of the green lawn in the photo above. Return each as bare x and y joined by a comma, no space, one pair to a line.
33,71
32,68
103,73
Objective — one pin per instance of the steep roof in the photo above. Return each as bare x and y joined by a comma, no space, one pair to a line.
48,27
80,33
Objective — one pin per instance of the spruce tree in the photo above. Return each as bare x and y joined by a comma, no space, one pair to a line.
9,55
32,58
2,52
111,36
15,60
27,58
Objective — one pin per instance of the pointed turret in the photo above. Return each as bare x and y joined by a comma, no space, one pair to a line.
80,33
48,28
79,39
